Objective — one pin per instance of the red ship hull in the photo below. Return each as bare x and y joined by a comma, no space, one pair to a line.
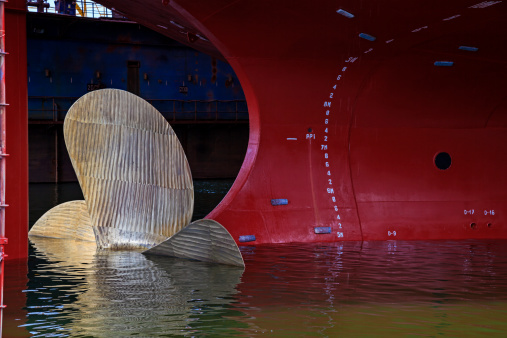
16,187
350,105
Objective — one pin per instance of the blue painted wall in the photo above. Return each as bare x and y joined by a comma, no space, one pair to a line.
65,53
73,50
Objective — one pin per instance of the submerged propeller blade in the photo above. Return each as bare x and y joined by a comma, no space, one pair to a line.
204,240
69,220
131,167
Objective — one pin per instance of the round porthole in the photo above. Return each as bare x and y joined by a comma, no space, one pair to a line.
443,161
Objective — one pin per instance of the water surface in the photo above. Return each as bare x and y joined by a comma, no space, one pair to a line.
392,288
450,288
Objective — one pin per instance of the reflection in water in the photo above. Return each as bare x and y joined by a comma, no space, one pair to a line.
102,294
432,288
379,288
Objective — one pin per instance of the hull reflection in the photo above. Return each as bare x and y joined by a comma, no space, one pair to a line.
428,288
393,287
381,272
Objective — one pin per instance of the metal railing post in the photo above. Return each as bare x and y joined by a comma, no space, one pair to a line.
55,112
55,131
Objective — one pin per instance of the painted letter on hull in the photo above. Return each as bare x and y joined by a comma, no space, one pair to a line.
368,120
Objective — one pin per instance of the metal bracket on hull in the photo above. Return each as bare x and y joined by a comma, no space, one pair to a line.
279,201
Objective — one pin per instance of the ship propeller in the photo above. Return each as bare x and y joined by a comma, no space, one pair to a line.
136,183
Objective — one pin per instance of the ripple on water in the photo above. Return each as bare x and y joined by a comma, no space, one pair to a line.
381,288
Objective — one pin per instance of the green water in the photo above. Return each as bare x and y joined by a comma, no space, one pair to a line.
429,289
349,289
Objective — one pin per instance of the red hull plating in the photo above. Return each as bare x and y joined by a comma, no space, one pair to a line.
16,214
350,102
